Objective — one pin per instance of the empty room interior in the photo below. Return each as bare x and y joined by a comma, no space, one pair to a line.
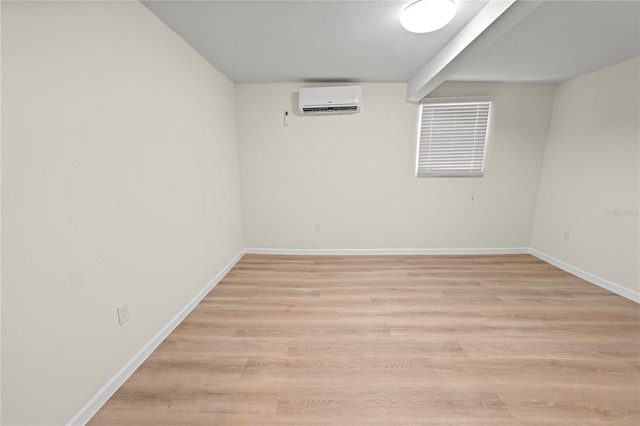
320,212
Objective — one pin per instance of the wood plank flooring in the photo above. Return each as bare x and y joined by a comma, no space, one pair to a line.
393,340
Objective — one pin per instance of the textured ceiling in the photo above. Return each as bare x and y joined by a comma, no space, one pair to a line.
342,41
292,41
561,40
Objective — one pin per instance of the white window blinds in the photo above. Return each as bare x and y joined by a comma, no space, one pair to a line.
453,134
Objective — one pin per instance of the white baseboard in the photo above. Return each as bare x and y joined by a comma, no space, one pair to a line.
587,276
387,252
103,395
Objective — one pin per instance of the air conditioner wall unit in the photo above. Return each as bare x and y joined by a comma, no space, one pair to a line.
330,100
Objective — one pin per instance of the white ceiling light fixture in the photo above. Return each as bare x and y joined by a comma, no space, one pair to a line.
425,16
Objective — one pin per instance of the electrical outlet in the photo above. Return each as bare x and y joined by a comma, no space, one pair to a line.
123,313
317,228
565,235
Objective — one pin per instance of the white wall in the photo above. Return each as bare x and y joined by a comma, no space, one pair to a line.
120,183
591,171
354,174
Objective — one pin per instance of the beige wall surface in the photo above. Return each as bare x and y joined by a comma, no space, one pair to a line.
120,182
354,175
590,182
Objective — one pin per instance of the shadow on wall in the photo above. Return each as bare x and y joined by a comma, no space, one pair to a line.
295,104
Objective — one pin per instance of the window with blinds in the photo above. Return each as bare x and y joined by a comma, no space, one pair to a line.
453,135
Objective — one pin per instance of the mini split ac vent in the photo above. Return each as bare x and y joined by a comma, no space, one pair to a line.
330,100
330,109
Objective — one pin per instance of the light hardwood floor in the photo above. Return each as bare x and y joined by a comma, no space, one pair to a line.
393,340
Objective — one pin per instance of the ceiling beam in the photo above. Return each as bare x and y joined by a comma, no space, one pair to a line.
490,24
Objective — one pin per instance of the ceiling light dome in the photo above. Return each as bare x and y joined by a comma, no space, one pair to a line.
425,16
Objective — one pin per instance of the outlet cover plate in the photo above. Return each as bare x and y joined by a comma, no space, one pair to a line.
123,313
